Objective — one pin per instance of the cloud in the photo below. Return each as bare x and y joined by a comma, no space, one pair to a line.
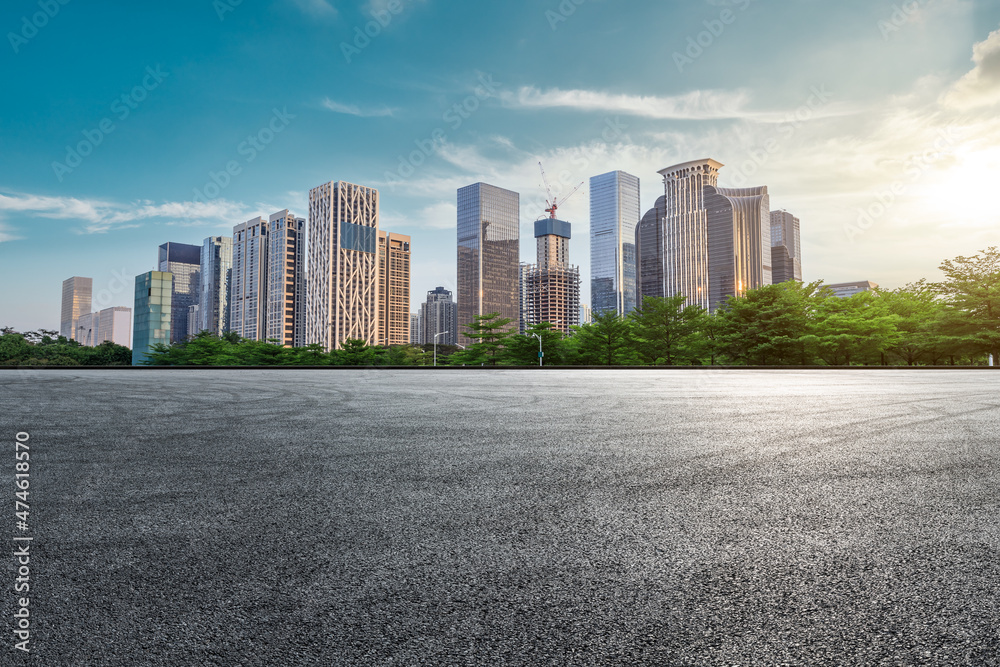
352,110
981,86
6,234
101,216
317,8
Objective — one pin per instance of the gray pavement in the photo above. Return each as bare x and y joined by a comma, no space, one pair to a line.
508,518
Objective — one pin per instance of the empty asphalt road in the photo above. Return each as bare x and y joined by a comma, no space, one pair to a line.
342,517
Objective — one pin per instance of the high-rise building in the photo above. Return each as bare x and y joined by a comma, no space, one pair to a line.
342,285
522,295
649,252
153,313
585,314
614,214
216,274
415,329
115,324
248,297
786,248
183,261
438,315
285,279
86,329
488,254
76,297
553,285
717,241
845,290
194,321
393,288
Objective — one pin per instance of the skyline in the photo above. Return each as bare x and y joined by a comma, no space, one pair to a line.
915,136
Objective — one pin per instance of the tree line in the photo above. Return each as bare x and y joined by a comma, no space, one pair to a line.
952,322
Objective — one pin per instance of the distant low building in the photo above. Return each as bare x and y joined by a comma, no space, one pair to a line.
438,315
844,290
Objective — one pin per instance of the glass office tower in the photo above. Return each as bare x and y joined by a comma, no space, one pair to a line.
76,302
438,319
649,252
153,313
216,274
614,214
786,248
183,261
488,255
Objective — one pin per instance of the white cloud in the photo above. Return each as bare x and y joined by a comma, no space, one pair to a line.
317,8
980,86
353,110
6,234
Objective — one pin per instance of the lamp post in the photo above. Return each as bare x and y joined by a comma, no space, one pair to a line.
539,337
436,345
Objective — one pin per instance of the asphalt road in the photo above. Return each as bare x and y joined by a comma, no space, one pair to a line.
507,518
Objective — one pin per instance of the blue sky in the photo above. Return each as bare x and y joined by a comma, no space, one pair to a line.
875,122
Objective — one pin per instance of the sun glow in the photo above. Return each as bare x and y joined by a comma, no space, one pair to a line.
965,194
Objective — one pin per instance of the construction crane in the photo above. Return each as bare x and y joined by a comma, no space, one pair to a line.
551,202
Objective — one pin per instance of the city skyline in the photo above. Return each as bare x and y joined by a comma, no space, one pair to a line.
883,160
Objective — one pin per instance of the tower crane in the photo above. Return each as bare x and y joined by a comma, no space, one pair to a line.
552,203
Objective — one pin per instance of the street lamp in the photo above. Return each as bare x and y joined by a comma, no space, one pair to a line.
540,353
436,345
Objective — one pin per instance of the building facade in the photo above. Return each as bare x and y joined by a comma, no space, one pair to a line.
553,285
523,269
439,318
786,248
216,278
845,290
115,324
285,285
488,254
585,314
153,313
86,329
716,240
183,261
649,250
614,214
77,293
342,285
415,329
248,297
394,288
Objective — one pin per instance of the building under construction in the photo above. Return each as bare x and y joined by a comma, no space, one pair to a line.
553,285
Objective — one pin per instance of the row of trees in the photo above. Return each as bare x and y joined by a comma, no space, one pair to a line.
48,348
956,321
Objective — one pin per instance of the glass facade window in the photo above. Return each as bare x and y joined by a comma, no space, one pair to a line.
183,262
151,310
614,215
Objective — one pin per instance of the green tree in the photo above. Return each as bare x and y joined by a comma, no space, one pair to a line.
666,330
355,352
490,333
972,285
607,341
856,329
767,325
522,350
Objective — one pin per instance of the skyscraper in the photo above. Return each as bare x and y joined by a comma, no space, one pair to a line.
76,302
786,248
153,299
216,274
415,329
614,214
716,240
394,288
183,261
553,285
248,297
86,329
342,286
285,279
115,324
522,295
488,254
439,314
649,252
